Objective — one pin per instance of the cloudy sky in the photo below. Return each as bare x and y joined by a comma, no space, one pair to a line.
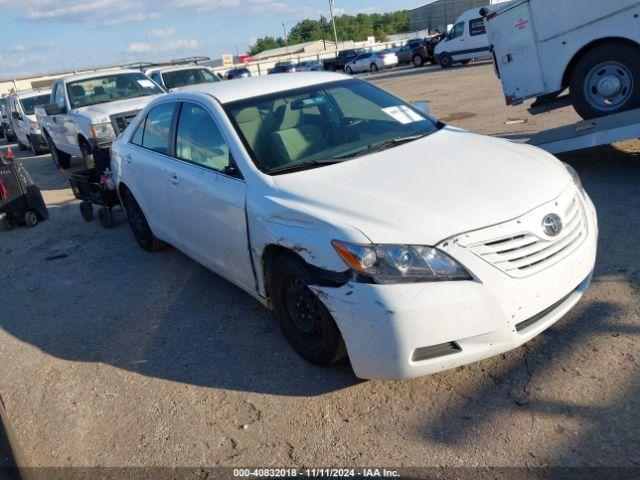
46,35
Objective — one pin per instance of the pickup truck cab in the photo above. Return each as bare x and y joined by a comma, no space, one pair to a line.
466,40
21,107
343,57
88,111
175,78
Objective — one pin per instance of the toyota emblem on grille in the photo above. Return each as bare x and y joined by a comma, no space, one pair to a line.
552,225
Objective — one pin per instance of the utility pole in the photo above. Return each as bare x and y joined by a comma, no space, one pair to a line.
333,21
286,40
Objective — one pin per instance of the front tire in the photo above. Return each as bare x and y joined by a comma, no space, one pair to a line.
418,61
139,225
606,80
373,67
60,159
34,149
348,70
446,60
305,321
87,155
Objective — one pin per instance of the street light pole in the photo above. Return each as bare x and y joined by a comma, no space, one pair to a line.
286,40
333,21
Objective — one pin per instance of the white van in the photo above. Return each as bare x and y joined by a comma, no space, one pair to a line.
466,40
21,115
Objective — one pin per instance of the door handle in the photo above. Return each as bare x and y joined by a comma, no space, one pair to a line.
127,158
173,178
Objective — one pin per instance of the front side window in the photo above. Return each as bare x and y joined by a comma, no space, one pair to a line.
29,104
58,97
110,88
199,139
324,124
457,30
183,78
157,128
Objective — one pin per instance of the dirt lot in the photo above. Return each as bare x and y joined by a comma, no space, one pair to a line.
111,356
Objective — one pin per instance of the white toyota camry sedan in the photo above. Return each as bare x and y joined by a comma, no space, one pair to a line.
371,229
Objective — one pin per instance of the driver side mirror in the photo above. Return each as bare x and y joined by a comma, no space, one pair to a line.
54,109
422,107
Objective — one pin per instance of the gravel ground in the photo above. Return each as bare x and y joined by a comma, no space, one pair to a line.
111,356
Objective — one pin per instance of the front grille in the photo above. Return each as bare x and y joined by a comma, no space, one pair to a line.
525,253
121,121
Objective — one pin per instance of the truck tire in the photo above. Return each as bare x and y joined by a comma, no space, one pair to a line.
61,159
417,60
606,80
446,60
34,149
87,155
304,320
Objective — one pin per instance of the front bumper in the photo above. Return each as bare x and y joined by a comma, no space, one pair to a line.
407,330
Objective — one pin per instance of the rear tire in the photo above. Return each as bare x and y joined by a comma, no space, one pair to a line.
60,159
305,321
139,225
446,60
606,80
30,218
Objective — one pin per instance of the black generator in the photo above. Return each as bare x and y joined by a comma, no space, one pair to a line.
20,200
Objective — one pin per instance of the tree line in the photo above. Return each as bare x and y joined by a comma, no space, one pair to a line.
348,27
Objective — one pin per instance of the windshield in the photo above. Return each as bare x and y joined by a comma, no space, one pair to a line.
119,86
183,78
29,104
324,124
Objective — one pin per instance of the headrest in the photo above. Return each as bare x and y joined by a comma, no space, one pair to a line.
248,114
77,91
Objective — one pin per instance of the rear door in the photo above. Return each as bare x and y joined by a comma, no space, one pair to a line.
207,200
146,159
512,36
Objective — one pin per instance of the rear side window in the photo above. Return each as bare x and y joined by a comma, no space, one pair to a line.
476,27
157,128
199,139
136,138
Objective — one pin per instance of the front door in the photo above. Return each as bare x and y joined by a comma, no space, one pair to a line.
207,199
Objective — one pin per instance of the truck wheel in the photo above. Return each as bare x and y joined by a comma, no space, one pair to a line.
139,226
61,159
34,150
30,218
348,70
305,321
446,60
418,61
87,156
86,210
606,80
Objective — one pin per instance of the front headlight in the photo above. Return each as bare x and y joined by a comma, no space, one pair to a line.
102,132
574,175
400,263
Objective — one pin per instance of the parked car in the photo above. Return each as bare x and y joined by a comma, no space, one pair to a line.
21,107
371,62
283,68
370,228
88,111
341,59
310,66
466,40
173,78
241,72
599,64
415,52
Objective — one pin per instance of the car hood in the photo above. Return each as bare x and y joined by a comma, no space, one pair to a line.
429,190
102,111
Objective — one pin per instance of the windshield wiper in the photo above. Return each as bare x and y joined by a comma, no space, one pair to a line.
379,146
296,167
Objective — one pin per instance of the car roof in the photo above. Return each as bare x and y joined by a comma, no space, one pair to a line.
32,93
175,68
226,92
103,73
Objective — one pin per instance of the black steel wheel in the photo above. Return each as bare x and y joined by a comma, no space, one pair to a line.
106,217
86,210
305,321
30,218
139,226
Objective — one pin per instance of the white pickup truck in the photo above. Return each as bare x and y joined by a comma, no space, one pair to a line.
87,112
543,47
